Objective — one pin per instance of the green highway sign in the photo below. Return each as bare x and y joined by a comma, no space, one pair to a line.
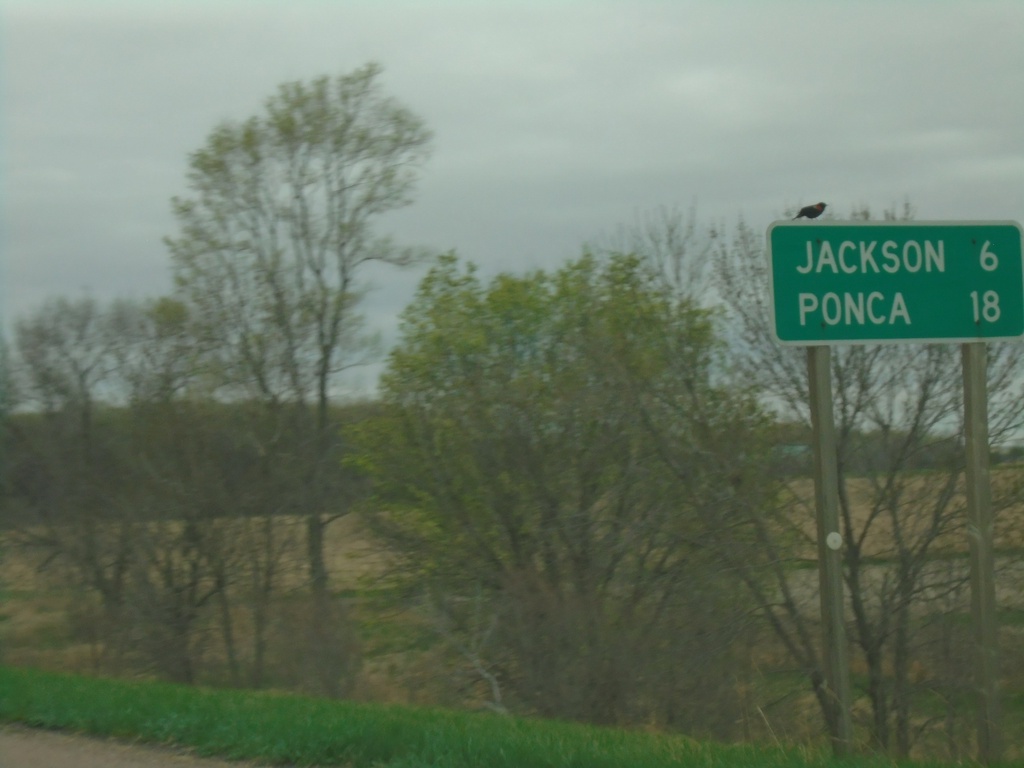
841,282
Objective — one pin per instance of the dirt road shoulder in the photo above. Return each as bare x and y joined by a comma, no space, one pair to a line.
22,747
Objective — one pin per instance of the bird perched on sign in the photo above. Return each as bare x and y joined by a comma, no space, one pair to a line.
811,211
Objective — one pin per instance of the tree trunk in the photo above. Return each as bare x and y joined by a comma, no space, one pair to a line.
879,697
901,674
228,633
318,576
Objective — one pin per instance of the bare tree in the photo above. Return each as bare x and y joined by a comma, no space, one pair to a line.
214,487
66,350
272,243
64,368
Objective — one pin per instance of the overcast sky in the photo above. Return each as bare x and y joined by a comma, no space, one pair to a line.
554,122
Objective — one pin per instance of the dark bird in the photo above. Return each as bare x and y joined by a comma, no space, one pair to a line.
811,211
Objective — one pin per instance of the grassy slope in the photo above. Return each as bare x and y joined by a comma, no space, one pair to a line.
285,729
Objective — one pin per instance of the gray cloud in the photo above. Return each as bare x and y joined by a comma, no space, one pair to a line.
554,123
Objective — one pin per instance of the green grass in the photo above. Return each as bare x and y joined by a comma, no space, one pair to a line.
293,730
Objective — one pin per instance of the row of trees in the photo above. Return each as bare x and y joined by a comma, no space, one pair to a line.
581,497
578,432
575,471
271,242
174,523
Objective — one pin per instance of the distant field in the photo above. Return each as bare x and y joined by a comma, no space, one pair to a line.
916,504
292,730
351,554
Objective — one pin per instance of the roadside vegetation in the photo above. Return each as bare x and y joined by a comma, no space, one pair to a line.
282,729
580,493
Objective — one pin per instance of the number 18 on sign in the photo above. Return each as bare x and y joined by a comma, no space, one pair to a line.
864,282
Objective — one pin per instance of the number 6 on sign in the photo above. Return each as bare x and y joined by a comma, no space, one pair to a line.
989,261
989,310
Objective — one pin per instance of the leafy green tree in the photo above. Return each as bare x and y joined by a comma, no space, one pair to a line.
272,242
513,469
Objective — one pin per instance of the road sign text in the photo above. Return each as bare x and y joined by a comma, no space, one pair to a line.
849,257
854,308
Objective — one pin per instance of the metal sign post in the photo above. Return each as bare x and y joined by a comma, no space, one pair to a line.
830,568
979,533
